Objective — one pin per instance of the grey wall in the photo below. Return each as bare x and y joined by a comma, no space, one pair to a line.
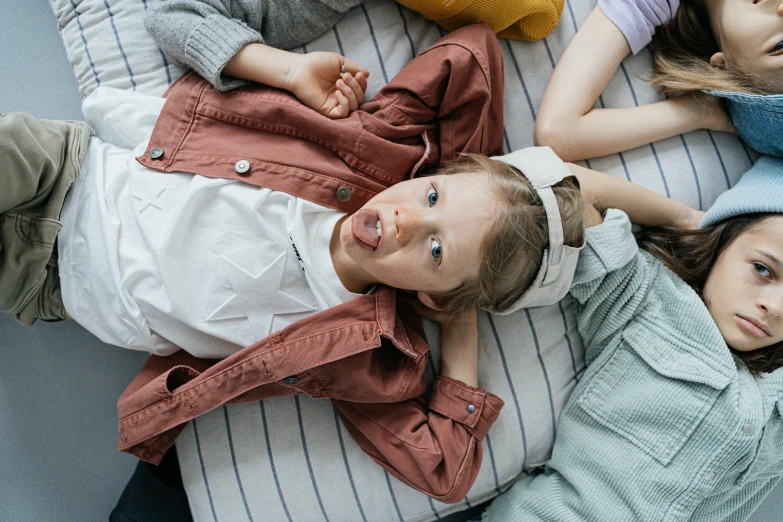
59,384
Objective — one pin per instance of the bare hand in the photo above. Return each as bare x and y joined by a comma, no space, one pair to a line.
713,113
328,83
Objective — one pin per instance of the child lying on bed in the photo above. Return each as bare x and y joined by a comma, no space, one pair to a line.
290,223
705,50
679,415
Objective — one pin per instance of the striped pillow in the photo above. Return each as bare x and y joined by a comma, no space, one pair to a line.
290,458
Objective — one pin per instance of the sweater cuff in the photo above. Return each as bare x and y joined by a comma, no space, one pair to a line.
213,43
475,408
611,243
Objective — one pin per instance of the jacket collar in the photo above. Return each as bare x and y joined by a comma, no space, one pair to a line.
391,325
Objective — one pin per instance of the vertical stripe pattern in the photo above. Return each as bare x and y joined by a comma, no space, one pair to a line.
307,457
270,454
119,45
348,466
234,462
203,470
86,47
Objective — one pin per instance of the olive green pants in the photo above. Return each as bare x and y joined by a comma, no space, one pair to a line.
39,160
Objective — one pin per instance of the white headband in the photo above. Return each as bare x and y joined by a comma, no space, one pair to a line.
542,167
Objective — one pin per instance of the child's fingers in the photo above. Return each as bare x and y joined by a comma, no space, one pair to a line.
341,109
346,91
361,80
355,87
354,68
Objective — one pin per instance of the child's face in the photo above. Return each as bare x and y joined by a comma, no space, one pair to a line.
430,232
750,36
744,291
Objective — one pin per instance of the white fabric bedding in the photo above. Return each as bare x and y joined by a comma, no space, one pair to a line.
289,458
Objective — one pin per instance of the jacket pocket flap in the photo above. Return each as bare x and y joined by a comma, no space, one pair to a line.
655,412
679,359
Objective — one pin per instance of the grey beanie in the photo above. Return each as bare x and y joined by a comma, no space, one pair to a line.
759,190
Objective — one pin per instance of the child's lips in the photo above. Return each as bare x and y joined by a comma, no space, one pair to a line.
753,327
364,227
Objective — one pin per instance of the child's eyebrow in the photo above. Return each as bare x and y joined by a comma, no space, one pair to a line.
775,260
442,187
446,238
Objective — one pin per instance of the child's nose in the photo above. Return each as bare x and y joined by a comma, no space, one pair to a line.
772,304
408,223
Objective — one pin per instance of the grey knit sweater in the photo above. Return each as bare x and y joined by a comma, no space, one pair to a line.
205,34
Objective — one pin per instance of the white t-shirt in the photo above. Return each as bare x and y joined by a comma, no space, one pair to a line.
157,262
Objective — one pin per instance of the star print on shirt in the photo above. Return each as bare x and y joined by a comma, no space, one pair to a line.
150,197
258,297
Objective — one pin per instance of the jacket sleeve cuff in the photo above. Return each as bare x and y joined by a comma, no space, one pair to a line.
610,246
213,43
475,408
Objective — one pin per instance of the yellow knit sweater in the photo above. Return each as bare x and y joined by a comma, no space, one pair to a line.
515,19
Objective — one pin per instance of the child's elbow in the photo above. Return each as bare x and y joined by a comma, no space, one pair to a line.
553,134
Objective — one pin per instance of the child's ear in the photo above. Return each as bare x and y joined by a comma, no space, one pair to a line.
427,301
718,61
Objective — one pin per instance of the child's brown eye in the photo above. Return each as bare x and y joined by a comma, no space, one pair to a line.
778,47
432,196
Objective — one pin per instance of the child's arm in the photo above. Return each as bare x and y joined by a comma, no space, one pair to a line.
575,130
643,206
326,82
458,343
223,43
459,348
433,443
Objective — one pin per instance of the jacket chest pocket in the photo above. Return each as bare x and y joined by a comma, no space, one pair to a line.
768,460
656,413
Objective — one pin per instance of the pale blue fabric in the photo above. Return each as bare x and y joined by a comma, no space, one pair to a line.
665,424
758,119
759,190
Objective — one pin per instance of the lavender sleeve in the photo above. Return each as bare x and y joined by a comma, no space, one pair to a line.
637,19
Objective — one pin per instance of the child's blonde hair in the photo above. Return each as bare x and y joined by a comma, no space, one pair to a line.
682,49
512,250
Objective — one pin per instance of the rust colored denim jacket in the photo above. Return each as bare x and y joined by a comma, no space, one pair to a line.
366,355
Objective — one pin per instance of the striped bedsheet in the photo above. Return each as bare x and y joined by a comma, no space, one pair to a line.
290,458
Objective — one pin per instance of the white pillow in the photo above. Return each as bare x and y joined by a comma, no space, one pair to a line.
289,458
107,45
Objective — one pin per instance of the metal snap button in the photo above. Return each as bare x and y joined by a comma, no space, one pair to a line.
290,380
242,166
343,194
471,408
749,429
156,153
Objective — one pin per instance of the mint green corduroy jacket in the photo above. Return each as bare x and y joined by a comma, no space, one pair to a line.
665,424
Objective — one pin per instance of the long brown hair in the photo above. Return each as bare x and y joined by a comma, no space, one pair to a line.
691,254
682,49
513,248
